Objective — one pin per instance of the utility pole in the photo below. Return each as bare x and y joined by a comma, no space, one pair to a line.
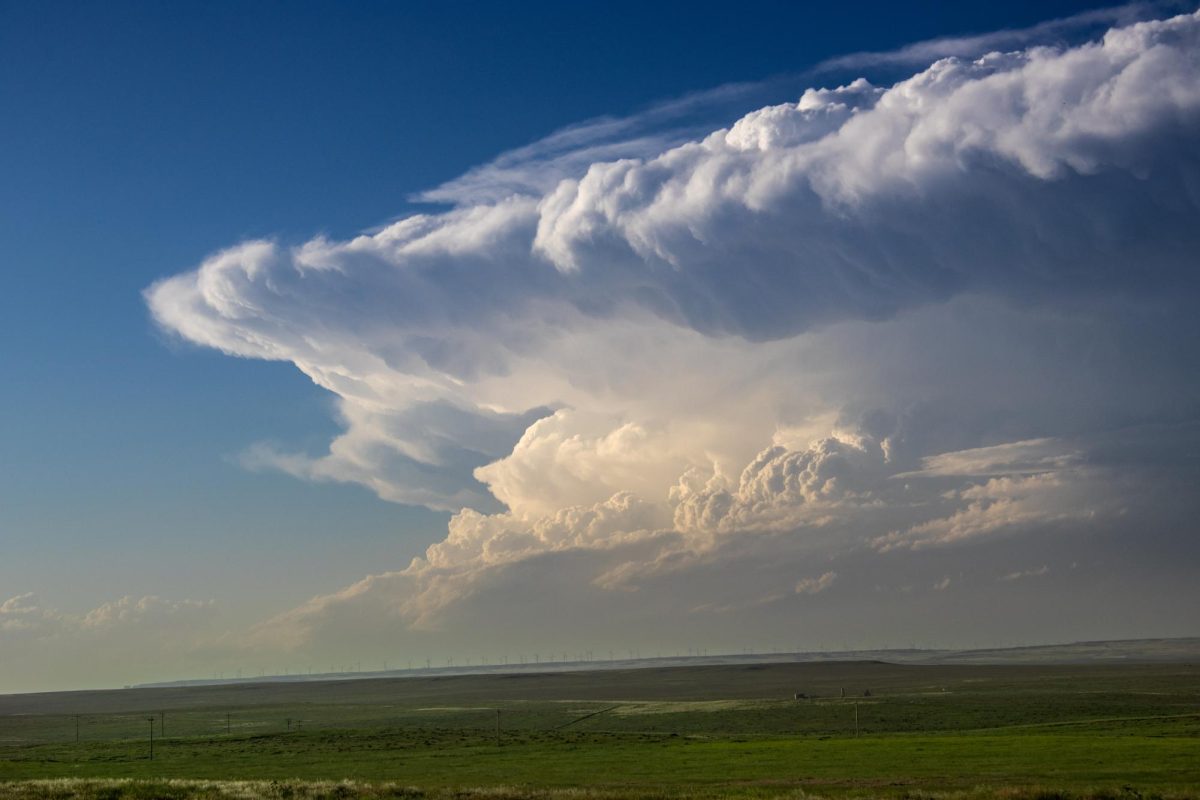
151,721
497,727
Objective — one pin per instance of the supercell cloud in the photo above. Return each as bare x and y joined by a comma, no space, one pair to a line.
939,333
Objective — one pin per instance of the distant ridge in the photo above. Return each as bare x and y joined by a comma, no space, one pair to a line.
1177,650
1134,650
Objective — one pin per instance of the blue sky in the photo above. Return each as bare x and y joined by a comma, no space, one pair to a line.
139,138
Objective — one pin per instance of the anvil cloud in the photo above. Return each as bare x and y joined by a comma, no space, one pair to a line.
857,329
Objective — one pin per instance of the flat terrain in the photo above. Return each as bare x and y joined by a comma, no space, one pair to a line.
719,730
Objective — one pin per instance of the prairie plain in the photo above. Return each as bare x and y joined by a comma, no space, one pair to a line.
857,729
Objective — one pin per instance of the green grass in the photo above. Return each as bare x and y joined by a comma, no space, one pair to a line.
455,757
84,789
970,732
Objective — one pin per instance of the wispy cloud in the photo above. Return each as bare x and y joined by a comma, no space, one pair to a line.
535,169
1028,457
1028,573
816,585
1065,30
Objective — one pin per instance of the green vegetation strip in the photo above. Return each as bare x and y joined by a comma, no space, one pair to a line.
968,733
562,760
77,789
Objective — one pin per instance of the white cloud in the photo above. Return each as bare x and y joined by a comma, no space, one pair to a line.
1002,505
1026,573
567,153
444,335
790,507
146,610
783,488
871,320
815,585
21,615
1028,457
567,459
24,615
122,641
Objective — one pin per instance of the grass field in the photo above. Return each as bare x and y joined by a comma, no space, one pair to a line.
1105,731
